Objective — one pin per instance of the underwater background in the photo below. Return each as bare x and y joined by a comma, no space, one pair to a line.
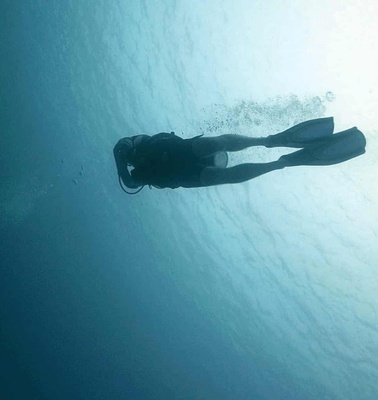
263,290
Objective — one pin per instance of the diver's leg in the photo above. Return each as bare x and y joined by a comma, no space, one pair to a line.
239,173
206,146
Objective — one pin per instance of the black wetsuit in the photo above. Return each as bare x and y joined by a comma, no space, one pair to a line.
164,160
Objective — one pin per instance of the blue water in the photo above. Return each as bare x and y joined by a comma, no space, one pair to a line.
264,290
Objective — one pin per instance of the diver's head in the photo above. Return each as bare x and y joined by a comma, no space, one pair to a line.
125,156
124,151
127,153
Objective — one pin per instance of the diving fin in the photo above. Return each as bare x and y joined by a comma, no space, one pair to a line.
334,149
303,134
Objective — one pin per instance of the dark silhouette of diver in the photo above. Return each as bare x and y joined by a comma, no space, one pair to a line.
168,161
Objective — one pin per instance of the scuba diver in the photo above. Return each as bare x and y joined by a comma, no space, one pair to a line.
168,161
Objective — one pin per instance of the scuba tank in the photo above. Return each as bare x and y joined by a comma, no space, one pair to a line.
218,160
